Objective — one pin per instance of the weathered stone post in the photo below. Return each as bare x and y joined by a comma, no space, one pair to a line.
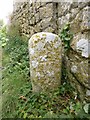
45,61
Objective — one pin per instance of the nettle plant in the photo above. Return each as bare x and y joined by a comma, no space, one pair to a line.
66,37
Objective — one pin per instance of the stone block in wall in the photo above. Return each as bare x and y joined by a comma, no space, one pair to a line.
42,3
45,61
85,25
77,69
38,27
62,21
32,30
49,29
77,63
38,4
76,23
46,22
31,14
16,6
63,8
81,21
30,9
82,4
32,20
73,13
46,11
37,17
80,44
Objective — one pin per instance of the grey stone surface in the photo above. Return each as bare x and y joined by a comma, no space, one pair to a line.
45,61
52,17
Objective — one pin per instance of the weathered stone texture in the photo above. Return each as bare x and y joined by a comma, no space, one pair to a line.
77,61
46,11
38,15
45,61
51,17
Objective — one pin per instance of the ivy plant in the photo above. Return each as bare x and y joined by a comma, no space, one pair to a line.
66,37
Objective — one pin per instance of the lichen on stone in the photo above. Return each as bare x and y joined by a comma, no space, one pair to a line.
88,93
50,73
83,45
40,46
74,68
34,64
45,61
43,58
31,51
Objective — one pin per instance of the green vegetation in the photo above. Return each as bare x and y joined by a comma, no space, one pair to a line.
18,99
53,105
15,72
66,37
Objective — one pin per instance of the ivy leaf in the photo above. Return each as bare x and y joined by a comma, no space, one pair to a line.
66,27
67,38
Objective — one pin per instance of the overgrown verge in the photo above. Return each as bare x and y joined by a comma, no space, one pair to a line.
18,99
59,104
15,70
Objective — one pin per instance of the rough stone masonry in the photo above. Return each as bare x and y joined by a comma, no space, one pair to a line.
36,17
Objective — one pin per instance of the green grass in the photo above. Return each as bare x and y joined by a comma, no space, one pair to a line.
14,76
18,99
12,81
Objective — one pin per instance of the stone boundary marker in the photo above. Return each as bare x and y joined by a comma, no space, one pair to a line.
45,61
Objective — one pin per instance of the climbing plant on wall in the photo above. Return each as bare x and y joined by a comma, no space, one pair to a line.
66,37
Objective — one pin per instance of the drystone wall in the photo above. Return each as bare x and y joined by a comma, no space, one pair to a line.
36,17
77,60
20,16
